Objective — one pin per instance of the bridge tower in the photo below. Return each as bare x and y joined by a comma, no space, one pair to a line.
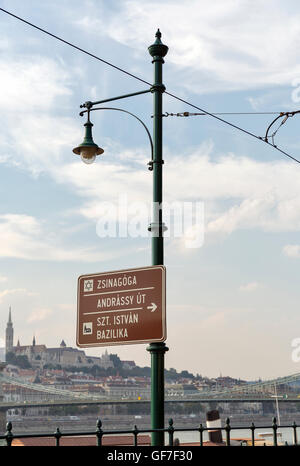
9,335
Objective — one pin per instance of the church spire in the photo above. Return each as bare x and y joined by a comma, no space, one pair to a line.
9,334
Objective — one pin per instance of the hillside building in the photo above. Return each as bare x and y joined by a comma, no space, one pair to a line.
63,355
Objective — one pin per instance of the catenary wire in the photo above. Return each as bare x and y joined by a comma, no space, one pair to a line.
186,114
76,47
146,82
231,124
118,68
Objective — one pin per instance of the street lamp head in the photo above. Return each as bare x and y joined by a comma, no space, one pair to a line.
88,150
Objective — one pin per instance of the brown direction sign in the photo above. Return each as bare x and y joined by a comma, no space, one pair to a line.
122,307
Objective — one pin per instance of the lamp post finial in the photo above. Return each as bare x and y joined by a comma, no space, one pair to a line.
158,49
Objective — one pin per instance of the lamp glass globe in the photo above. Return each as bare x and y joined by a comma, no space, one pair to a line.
87,154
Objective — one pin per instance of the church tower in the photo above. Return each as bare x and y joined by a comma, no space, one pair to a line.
9,335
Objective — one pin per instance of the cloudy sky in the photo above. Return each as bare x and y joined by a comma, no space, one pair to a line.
232,301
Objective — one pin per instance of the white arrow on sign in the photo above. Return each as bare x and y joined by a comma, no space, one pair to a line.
153,307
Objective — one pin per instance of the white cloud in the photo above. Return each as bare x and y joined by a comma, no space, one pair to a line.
39,314
226,43
24,237
13,291
263,195
292,250
249,287
219,45
41,142
34,132
32,83
260,195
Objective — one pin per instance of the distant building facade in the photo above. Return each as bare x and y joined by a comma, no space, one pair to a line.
64,356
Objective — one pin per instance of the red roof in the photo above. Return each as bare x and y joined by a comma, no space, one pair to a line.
84,441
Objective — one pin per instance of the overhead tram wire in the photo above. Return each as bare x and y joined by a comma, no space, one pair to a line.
146,82
186,114
75,47
232,125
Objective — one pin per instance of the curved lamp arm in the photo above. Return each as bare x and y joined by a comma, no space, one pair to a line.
129,113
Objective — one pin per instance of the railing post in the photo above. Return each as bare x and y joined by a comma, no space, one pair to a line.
227,429
99,433
201,429
171,432
274,426
295,433
135,433
57,436
8,434
252,427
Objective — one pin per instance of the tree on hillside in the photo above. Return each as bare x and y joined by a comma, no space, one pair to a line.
19,361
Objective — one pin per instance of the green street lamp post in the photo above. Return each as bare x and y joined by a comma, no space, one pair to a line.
88,151
157,350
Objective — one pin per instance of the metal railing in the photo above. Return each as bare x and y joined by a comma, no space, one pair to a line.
99,434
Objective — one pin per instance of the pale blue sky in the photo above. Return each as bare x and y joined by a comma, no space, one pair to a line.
232,304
